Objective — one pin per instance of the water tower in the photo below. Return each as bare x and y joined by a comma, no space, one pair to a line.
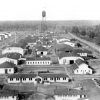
43,15
43,22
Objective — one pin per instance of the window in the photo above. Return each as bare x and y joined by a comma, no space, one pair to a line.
30,62
40,62
64,78
71,61
42,53
10,70
51,78
33,62
17,79
30,78
11,79
48,62
45,78
58,78
24,79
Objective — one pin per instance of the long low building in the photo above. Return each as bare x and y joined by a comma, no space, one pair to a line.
5,59
70,94
38,61
52,77
34,78
5,95
13,50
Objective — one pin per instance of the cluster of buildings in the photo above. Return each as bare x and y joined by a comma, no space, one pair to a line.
42,54
5,35
40,51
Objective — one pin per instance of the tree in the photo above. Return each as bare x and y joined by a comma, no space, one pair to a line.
66,31
75,30
83,32
98,40
91,34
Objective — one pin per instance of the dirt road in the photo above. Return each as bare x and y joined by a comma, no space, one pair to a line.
90,44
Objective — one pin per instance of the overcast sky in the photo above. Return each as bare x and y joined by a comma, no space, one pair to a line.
55,9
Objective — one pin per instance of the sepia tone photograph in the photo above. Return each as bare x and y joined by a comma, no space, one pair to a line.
49,50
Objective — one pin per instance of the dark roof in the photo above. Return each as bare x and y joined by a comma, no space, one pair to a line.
4,93
52,75
30,39
20,75
21,44
79,62
63,47
88,51
69,92
13,55
64,54
1,56
82,51
37,58
41,48
73,67
7,65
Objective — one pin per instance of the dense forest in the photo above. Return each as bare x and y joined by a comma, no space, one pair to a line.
90,33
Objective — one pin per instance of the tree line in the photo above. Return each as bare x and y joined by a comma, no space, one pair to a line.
90,33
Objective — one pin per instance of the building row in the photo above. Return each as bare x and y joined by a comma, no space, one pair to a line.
59,94
78,66
40,78
70,94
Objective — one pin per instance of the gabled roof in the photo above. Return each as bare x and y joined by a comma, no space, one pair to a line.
41,48
13,50
82,51
37,58
4,93
67,91
30,39
79,62
13,55
73,67
22,75
63,47
7,65
52,75
64,54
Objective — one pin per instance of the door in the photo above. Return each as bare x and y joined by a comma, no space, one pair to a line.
38,80
6,71
71,61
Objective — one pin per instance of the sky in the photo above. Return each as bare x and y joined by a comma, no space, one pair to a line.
55,9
